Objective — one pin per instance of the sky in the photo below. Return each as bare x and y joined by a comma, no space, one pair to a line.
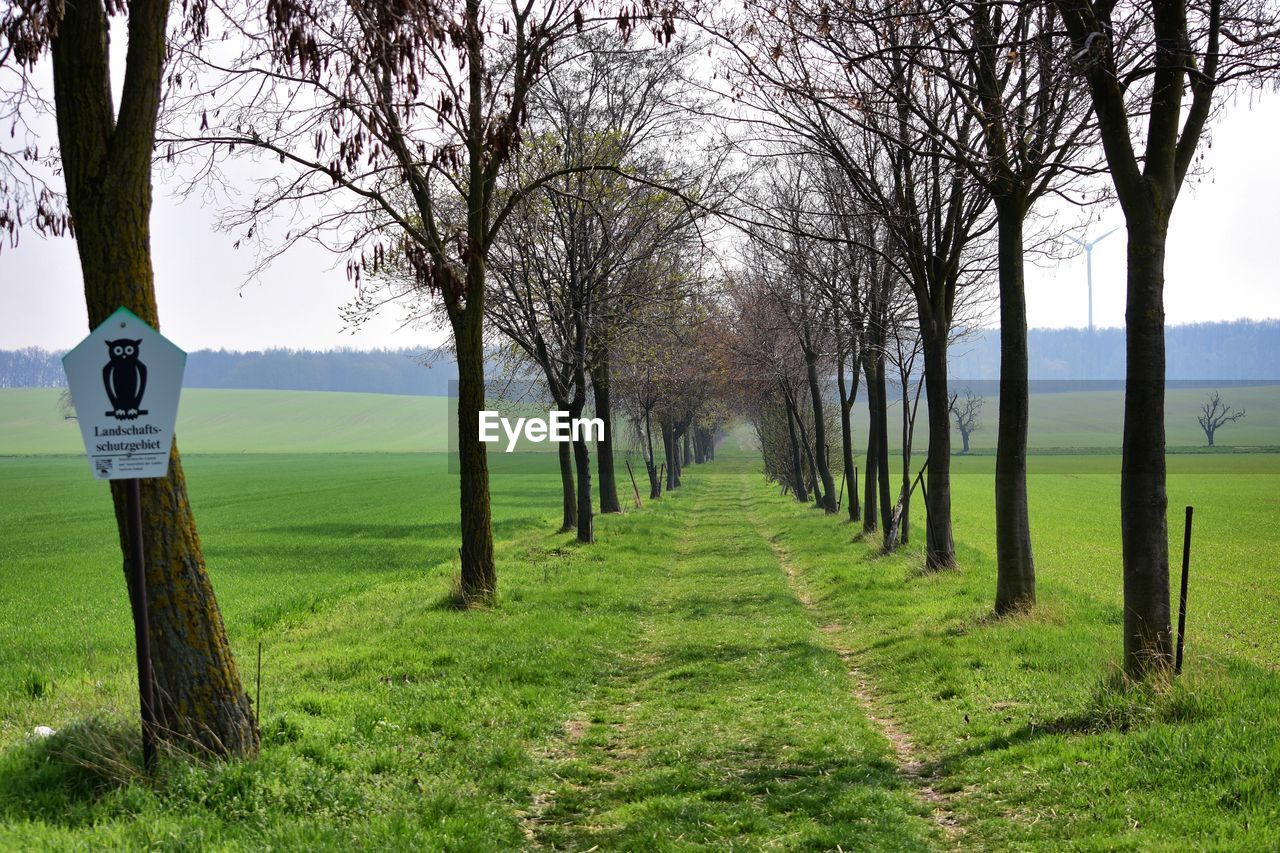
1223,263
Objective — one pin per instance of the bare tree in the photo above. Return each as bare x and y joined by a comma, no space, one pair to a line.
968,411
841,84
796,271
1156,69
1214,414
1007,65
394,122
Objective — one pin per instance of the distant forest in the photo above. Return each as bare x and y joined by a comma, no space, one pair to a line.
405,371
1242,349
1239,350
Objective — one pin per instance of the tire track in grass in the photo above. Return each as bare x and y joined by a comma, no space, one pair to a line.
730,722
912,767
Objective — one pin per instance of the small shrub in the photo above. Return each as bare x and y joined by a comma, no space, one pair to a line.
36,685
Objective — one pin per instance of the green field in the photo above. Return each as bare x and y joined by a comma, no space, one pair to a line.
232,421
725,667
228,421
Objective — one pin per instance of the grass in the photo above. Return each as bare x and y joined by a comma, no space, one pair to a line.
686,682
1026,720
393,720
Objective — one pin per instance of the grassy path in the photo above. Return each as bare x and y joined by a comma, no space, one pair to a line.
731,721
914,769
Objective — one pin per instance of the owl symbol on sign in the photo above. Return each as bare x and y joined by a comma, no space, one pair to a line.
125,379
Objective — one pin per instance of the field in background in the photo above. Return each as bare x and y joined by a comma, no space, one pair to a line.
222,421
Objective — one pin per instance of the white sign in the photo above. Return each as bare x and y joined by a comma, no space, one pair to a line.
125,379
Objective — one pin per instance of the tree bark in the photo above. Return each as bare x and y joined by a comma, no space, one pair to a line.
669,452
870,493
882,453
1148,638
586,519
600,387
940,549
582,458
1015,563
846,433
798,487
567,486
821,461
107,166
478,573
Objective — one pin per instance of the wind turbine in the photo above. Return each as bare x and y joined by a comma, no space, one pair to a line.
1088,252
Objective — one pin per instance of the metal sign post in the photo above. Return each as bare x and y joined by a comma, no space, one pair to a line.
141,619
125,379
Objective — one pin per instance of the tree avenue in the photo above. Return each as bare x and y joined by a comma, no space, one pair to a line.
787,221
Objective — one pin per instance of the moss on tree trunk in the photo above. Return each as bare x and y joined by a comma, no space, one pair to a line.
107,166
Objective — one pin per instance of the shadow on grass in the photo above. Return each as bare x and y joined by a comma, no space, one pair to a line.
58,779
819,803
503,528
1117,706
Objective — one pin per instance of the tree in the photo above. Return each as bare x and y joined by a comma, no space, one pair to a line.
571,262
395,121
1214,414
841,84
795,269
105,155
1155,71
1032,137
967,411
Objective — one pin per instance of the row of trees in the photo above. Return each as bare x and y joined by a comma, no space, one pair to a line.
431,145
917,140
513,169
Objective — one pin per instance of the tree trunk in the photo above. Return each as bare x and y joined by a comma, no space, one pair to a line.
608,485
846,434
964,441
823,464
1015,563
479,574
797,464
677,463
107,166
687,443
669,452
566,484
808,455
1143,500
655,484
882,452
908,436
586,519
940,549
870,493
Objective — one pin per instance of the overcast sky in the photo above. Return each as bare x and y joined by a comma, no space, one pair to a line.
1223,257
